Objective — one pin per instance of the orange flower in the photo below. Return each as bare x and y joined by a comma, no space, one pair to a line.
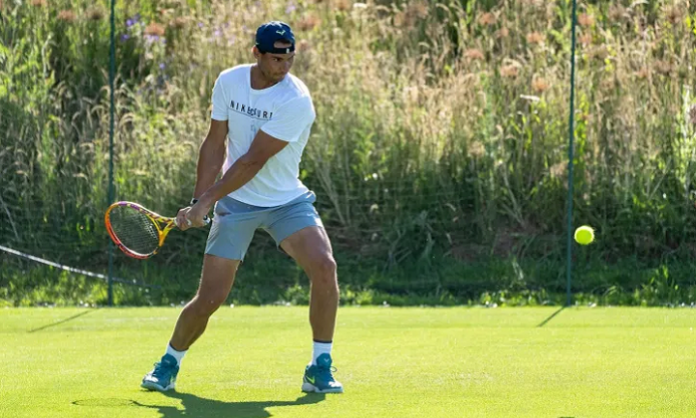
474,54
308,23
487,19
586,20
586,39
66,16
502,33
509,71
535,38
343,5
539,85
418,9
178,23
643,73
154,29
304,45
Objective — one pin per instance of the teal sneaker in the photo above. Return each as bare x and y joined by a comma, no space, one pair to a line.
163,376
318,377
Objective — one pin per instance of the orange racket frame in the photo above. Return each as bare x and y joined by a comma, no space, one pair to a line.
162,223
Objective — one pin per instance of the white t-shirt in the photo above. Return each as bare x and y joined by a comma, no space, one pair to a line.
284,111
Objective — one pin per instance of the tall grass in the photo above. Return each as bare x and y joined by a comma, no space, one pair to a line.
441,136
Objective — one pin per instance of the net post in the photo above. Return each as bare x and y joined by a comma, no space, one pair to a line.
571,135
112,74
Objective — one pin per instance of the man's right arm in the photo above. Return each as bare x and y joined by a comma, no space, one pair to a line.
211,156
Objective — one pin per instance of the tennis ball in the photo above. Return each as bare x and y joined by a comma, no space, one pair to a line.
584,235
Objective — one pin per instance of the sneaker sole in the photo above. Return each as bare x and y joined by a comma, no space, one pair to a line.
155,386
310,388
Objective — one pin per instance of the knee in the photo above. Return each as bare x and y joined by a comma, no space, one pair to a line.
206,305
325,271
327,266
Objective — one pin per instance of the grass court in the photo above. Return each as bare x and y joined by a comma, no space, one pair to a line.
393,362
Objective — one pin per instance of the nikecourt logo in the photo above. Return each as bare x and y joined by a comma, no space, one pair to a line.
250,111
311,379
280,32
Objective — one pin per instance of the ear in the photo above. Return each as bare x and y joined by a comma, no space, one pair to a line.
256,52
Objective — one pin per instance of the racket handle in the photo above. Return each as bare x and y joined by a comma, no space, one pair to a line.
206,220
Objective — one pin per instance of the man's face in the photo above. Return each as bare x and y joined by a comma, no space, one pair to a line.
276,66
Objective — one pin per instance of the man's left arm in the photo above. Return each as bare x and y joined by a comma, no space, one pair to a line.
245,168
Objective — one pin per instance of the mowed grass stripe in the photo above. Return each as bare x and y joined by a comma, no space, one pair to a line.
410,362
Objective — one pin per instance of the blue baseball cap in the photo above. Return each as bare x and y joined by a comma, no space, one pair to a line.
270,33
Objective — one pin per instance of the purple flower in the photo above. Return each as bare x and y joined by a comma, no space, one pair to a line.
291,8
217,33
161,66
200,24
125,37
129,23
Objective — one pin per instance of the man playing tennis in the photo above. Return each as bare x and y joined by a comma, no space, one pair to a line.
261,118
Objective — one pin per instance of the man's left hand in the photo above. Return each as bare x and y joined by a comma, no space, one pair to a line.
195,217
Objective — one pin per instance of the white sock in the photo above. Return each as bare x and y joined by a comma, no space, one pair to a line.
178,355
319,349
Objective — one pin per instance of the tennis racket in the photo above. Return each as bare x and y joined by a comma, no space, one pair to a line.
137,231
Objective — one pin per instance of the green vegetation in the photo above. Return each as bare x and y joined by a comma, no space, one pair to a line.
410,362
438,155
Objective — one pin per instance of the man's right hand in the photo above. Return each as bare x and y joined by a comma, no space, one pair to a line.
181,221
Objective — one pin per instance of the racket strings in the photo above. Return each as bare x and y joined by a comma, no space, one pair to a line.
134,229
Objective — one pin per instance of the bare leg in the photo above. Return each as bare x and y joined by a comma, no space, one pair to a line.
311,248
216,281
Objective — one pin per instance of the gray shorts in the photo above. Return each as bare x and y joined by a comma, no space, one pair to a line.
235,222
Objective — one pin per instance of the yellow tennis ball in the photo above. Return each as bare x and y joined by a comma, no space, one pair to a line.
584,235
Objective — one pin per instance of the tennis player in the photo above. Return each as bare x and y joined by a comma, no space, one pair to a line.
261,120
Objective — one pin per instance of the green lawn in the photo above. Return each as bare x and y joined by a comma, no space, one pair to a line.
393,362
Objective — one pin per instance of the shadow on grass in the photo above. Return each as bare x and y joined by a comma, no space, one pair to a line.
195,406
550,318
61,321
